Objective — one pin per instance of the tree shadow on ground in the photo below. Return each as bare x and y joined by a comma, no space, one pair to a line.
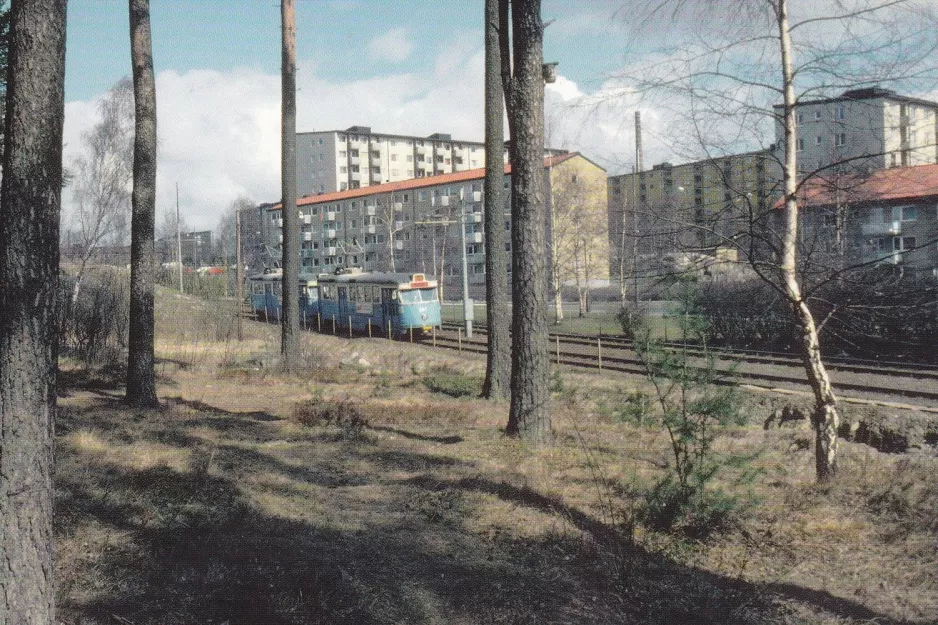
156,544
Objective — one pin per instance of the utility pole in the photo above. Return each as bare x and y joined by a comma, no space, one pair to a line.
238,276
635,175
468,310
467,307
178,241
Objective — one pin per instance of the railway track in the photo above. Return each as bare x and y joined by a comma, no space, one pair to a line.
612,354
833,363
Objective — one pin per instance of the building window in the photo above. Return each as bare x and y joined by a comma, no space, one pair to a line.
800,117
904,213
840,139
343,154
817,115
903,244
818,141
343,169
841,112
799,146
393,156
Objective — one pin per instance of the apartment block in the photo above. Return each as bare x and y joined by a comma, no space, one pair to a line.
888,217
694,208
410,225
868,129
339,160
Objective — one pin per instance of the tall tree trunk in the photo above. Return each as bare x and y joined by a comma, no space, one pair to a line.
529,415
141,383
558,291
826,418
30,202
290,325
498,362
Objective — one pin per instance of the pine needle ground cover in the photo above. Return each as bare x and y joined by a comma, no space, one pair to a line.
351,492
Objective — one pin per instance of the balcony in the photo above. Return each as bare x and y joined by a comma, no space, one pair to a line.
329,233
398,225
475,259
306,219
278,223
888,228
307,236
330,251
328,215
474,237
398,206
398,245
376,161
474,218
369,229
476,196
355,175
370,210
889,258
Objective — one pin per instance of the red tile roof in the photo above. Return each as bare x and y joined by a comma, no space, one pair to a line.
897,184
413,183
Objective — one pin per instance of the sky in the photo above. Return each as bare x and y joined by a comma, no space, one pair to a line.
399,66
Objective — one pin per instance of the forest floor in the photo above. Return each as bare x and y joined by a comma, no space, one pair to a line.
352,493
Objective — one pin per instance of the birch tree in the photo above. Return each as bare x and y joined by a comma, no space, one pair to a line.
103,176
30,202
735,83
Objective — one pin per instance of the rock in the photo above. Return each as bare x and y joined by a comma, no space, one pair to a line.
787,416
848,430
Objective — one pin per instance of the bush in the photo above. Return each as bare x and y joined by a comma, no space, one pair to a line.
632,322
94,328
450,382
692,511
692,408
342,414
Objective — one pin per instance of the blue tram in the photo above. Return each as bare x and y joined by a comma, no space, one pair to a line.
361,300
265,289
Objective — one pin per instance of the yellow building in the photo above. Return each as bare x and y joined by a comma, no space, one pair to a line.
703,207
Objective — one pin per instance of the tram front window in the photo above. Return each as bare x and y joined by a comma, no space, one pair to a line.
416,296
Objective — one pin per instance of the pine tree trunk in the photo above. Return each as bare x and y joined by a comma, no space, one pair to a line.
141,382
29,273
290,316
826,418
529,415
498,363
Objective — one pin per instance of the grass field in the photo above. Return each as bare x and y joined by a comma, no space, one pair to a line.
601,321
353,494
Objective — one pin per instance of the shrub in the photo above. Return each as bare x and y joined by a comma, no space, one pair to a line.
692,408
450,382
342,414
94,327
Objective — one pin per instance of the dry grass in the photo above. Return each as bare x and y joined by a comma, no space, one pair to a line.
349,493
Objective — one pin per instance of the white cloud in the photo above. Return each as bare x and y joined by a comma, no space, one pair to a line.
394,46
219,132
